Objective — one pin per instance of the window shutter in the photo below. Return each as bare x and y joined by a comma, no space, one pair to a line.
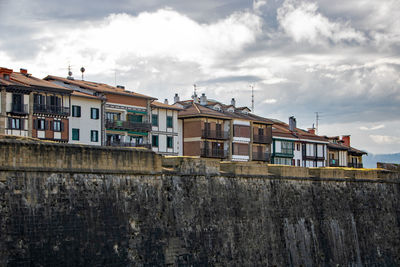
46,125
22,122
62,127
52,125
35,124
9,123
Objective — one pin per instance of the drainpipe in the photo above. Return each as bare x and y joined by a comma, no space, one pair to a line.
3,115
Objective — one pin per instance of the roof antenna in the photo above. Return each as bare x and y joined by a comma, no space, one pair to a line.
82,70
69,72
252,97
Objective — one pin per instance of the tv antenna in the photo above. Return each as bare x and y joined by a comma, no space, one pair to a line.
252,97
317,119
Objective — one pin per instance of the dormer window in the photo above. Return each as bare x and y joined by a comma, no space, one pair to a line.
217,107
231,109
6,77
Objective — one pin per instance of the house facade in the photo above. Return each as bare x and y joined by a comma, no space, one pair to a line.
126,115
211,129
297,147
165,137
85,119
341,154
32,107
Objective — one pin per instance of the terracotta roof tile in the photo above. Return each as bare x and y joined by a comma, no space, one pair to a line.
98,87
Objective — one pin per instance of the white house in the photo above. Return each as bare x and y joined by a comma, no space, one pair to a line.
85,119
165,137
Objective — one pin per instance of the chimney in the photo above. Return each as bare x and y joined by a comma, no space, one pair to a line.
233,102
292,123
23,71
203,99
166,101
176,98
346,140
311,130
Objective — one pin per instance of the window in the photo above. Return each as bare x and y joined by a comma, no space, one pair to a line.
154,140
298,147
169,122
41,124
287,147
154,119
94,113
170,142
113,116
57,126
15,123
135,118
75,134
298,162
76,111
94,136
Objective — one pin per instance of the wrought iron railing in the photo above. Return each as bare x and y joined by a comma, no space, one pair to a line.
213,134
355,165
263,139
128,125
19,108
259,156
51,109
213,153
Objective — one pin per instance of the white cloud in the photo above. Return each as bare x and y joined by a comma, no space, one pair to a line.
257,4
270,101
377,127
161,34
302,22
385,139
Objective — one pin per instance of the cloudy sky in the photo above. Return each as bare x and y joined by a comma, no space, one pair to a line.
340,58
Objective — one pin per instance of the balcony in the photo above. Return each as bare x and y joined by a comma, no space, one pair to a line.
220,135
261,156
333,163
355,165
213,153
51,109
128,125
262,139
19,109
127,144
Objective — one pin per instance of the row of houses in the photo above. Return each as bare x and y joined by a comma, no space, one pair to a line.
90,113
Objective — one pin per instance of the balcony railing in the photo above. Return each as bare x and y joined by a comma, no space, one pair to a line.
51,109
334,163
19,108
213,153
127,144
262,139
261,156
221,135
355,165
128,125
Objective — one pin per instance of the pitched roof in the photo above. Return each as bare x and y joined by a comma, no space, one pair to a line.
27,80
81,94
98,87
163,105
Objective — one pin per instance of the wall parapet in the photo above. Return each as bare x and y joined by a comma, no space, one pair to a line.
53,157
35,156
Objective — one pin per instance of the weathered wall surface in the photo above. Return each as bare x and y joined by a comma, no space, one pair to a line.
189,214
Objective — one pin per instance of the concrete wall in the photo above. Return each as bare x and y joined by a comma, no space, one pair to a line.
69,205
